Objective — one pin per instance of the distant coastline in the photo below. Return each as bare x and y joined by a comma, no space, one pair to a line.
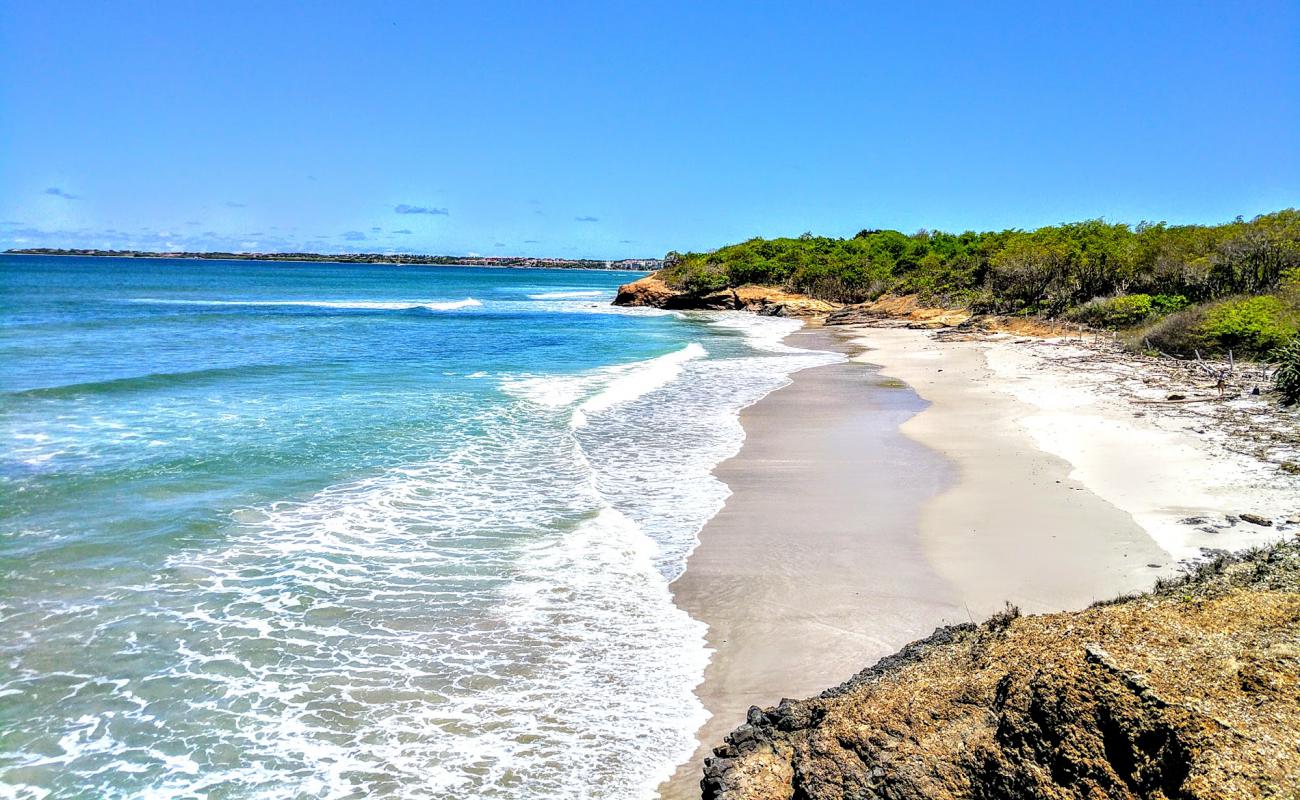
522,262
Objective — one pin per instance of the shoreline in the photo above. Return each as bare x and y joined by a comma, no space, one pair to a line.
999,480
1169,473
783,619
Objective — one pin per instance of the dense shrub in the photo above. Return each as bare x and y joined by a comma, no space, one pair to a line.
1249,326
1181,333
1113,312
1253,325
702,278
1286,376
1048,270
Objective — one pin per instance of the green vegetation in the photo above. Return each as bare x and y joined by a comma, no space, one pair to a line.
1125,310
1093,272
1255,324
1287,375
1249,325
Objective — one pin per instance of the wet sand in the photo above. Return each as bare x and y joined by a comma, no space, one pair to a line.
863,516
815,567
1019,525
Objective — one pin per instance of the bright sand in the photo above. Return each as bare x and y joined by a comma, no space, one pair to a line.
862,519
814,568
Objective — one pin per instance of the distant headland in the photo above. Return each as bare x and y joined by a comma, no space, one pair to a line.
633,264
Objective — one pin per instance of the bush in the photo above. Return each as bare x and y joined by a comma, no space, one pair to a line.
1162,304
1113,312
1249,326
702,278
1253,325
1181,333
1286,377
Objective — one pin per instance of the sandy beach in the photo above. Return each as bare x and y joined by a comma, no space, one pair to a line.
928,482
814,567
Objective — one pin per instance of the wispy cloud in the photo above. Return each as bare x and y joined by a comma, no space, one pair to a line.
57,192
403,208
586,219
233,204
375,229
625,241
531,241
403,231
499,244
354,236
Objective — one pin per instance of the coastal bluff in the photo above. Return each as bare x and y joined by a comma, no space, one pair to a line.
652,291
1191,691
907,311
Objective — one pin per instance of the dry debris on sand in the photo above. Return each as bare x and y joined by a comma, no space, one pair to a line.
1231,403
1192,691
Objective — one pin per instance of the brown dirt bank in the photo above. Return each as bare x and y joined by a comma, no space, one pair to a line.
886,311
1192,691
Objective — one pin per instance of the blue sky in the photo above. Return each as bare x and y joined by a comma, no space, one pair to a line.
611,129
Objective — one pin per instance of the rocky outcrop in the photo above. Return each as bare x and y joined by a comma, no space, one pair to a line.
654,292
895,310
1190,692
648,291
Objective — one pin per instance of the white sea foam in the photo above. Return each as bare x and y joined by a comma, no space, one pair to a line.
762,333
638,381
602,388
360,305
493,622
471,669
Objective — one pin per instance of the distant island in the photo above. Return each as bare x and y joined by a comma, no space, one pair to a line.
631,264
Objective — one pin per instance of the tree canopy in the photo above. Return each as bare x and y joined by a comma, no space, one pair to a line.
1048,270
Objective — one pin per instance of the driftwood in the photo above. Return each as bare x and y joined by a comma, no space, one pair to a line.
1188,400
1252,424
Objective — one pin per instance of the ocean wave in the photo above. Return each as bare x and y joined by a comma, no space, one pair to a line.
358,305
762,333
604,388
476,627
638,381
655,454
156,381
567,295
488,623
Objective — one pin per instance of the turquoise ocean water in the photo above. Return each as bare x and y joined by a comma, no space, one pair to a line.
338,531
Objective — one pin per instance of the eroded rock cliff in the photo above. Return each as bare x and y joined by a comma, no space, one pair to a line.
653,291
894,310
1192,691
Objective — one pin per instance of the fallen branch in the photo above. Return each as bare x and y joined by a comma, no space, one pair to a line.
1187,400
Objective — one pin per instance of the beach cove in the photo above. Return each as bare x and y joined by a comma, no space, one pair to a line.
930,482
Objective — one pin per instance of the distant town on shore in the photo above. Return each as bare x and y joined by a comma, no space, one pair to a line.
636,264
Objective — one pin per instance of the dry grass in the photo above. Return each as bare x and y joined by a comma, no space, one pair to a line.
1192,692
